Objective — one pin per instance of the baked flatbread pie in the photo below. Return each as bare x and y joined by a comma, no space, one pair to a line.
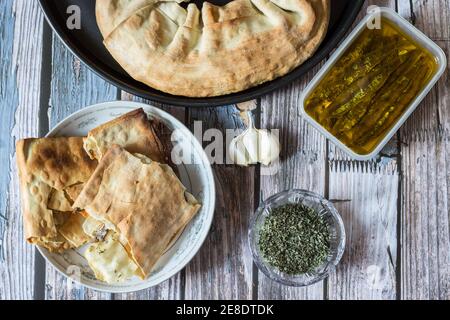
132,131
215,51
141,200
112,13
48,167
128,206
72,230
110,260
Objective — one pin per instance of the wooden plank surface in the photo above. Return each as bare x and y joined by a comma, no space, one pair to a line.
395,208
302,166
73,87
20,80
425,215
431,17
366,195
223,268
425,150
308,168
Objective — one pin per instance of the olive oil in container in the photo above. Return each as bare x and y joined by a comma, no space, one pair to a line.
372,83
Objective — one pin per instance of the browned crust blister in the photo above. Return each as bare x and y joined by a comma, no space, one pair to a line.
46,167
133,131
217,51
130,190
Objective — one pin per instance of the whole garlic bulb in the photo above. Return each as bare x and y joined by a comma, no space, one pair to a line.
254,146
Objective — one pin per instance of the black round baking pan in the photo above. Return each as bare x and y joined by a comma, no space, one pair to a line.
87,44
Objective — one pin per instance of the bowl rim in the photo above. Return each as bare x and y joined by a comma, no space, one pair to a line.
145,284
330,266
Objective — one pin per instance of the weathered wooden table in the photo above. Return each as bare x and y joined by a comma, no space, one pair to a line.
395,208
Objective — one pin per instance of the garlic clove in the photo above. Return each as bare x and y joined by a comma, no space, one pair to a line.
269,147
238,152
250,140
254,146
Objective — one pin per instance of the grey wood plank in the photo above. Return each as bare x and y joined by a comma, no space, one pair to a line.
20,60
223,268
425,215
178,112
171,289
365,194
429,16
73,87
425,150
301,166
425,252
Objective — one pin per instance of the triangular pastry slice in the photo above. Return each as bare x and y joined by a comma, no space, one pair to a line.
132,131
140,199
47,167
110,261
72,230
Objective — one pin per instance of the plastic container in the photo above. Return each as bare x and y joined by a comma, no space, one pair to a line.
416,35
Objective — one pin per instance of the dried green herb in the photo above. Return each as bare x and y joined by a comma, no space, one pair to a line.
295,239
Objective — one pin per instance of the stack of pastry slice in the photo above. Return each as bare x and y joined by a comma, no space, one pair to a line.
215,51
52,171
111,189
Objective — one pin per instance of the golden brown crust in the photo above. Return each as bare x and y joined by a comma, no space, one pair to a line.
58,162
143,200
59,202
223,49
72,230
132,131
110,13
74,191
46,167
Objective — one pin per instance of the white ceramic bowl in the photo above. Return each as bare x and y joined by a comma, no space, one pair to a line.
197,177
416,35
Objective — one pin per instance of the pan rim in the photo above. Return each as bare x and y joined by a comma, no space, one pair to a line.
343,25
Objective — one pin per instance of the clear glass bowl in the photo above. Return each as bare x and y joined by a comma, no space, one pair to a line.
337,236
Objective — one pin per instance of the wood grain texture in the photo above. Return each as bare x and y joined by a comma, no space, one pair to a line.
365,194
73,87
432,17
178,112
223,268
416,163
425,252
302,166
309,169
425,215
170,289
20,60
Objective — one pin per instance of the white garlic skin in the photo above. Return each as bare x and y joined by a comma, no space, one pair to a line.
254,146
269,147
238,152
